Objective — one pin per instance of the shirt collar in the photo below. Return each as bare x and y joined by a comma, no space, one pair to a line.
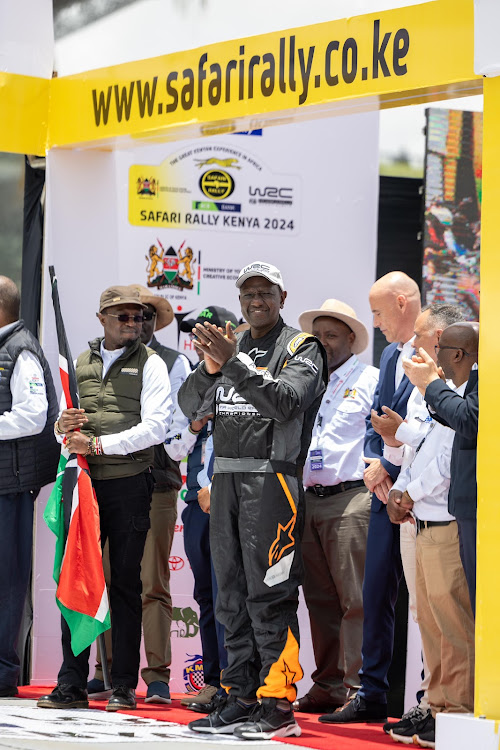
109,353
408,346
341,372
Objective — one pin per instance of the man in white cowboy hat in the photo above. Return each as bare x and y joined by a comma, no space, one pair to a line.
155,571
337,508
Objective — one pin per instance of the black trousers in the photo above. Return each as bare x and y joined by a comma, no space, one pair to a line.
197,546
16,542
124,516
256,522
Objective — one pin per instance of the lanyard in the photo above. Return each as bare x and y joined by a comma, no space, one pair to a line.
339,385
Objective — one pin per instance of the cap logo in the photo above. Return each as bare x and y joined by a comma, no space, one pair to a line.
256,267
116,299
206,314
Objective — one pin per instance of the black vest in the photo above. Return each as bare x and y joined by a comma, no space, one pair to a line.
166,472
31,462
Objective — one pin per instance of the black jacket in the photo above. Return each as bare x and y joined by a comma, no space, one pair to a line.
461,414
263,415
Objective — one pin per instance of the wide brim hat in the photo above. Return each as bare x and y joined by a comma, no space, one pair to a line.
333,308
164,311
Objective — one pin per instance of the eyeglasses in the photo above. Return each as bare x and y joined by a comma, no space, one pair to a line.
148,315
249,296
458,348
125,318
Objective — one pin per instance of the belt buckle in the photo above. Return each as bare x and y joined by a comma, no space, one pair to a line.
319,490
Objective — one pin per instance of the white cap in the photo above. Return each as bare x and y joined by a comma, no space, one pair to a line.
258,268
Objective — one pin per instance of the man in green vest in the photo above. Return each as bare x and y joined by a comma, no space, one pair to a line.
125,410
155,571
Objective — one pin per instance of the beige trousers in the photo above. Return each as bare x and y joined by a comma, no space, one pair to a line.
445,620
408,544
334,549
156,599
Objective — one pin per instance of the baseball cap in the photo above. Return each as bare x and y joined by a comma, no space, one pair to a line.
216,315
120,295
258,268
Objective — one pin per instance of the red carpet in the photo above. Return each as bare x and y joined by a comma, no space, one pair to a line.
314,735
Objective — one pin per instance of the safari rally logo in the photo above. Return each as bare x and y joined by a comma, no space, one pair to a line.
171,268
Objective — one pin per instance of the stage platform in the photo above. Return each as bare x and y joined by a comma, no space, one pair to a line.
25,727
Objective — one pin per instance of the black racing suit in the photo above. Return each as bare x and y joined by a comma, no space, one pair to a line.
265,401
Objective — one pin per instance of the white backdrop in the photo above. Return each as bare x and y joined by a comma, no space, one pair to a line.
329,169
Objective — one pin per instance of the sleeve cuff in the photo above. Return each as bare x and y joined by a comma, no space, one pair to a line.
393,455
414,490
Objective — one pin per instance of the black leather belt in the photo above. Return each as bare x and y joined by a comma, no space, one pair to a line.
427,524
320,491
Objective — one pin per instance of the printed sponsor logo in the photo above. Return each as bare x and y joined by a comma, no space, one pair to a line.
216,184
175,562
185,623
271,194
194,678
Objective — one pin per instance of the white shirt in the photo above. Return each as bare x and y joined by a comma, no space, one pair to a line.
405,350
156,408
427,477
411,431
339,429
203,479
28,413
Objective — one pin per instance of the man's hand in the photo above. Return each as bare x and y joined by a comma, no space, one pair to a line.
77,443
397,509
382,490
422,370
72,419
386,425
204,499
198,424
374,473
216,347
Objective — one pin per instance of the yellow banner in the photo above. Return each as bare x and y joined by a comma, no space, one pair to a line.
379,58
24,104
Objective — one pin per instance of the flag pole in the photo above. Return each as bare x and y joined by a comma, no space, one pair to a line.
71,394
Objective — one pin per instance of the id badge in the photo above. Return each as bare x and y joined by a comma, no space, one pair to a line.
316,460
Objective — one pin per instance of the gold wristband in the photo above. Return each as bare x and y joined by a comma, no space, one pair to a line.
58,429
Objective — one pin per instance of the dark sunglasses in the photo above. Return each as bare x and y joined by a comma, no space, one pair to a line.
148,315
124,317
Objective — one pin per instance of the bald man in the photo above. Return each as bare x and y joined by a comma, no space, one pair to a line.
457,354
395,305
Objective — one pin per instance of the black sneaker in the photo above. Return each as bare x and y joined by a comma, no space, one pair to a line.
123,699
406,726
269,721
410,719
425,732
357,711
64,696
230,715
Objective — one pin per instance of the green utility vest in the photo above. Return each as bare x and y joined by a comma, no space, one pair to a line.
113,405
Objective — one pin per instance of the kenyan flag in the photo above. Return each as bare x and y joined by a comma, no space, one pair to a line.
72,514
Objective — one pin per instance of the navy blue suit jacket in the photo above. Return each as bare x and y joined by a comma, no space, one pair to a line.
385,396
462,415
